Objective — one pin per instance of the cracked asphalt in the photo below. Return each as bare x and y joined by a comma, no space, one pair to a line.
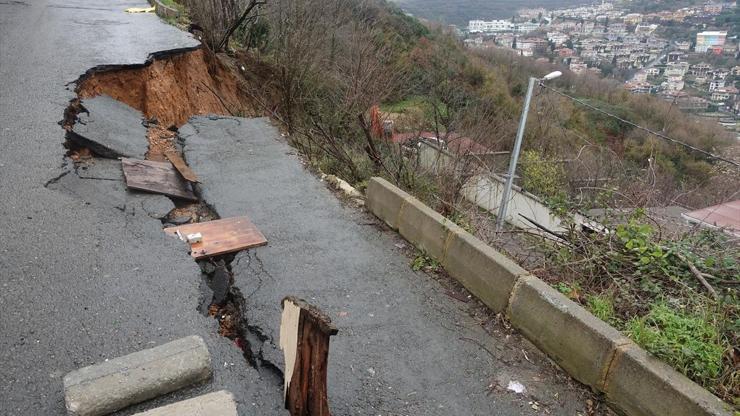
404,347
85,271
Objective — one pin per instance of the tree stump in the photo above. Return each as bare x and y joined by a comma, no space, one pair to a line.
304,339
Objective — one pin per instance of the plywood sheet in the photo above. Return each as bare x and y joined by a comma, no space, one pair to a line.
222,236
157,177
181,166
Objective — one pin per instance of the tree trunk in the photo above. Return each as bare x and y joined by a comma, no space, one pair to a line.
304,339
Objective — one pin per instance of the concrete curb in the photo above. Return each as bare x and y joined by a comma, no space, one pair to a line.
219,403
112,385
590,350
164,11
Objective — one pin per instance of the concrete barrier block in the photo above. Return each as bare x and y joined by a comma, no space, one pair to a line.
425,228
385,200
220,403
106,387
486,273
642,385
578,341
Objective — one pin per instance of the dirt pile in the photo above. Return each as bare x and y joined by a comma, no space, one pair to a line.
171,89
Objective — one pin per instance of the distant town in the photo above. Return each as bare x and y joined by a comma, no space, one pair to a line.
684,55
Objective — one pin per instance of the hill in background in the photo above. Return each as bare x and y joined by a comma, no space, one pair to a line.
459,12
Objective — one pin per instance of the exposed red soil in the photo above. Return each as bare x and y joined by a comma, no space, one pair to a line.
172,89
161,140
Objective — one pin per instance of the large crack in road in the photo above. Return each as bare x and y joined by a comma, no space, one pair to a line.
141,87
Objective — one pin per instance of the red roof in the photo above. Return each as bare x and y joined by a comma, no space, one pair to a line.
725,216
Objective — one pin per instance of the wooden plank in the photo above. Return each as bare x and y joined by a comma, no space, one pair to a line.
156,177
222,236
304,339
181,166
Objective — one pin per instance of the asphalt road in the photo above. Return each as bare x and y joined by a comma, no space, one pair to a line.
86,273
80,279
404,346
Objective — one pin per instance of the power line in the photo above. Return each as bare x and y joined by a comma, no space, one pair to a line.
637,126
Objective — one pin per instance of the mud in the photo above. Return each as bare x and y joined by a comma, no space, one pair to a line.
161,141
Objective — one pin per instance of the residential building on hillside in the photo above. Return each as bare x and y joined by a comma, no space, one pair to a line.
709,39
683,45
632,18
557,38
713,8
482,26
526,27
646,28
716,84
722,95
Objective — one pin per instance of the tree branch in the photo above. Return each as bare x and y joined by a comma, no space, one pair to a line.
252,4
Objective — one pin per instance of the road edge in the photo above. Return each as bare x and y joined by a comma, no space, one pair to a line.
590,350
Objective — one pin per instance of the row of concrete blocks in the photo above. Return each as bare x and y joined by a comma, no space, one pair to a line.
115,384
590,350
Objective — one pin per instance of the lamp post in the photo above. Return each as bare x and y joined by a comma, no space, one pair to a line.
517,147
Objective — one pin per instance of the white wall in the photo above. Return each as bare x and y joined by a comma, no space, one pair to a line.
485,190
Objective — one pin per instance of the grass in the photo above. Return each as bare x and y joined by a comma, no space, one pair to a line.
602,306
686,340
404,105
422,261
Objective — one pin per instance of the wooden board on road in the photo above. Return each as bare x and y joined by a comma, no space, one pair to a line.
181,166
157,177
222,236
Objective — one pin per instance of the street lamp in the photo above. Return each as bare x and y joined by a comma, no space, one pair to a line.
518,146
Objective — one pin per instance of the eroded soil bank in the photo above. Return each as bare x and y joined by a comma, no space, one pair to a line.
173,88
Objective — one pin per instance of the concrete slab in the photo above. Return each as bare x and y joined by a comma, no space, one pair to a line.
100,183
112,385
220,403
110,128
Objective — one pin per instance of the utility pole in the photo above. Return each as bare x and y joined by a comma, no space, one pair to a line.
517,147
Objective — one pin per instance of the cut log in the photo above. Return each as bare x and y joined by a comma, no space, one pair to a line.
304,339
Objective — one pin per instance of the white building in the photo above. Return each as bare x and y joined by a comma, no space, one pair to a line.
632,18
557,38
578,67
646,28
640,76
716,84
482,26
675,83
683,45
706,40
526,27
